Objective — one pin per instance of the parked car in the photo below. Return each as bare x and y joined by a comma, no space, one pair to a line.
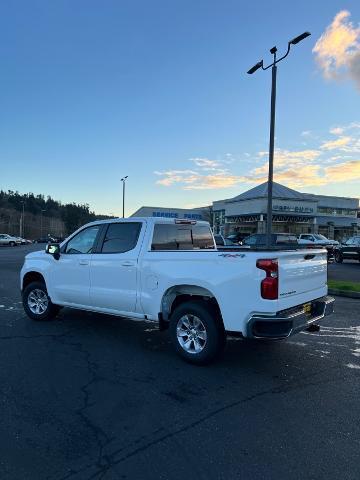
45,240
236,237
349,250
24,241
223,242
6,239
259,239
170,271
316,240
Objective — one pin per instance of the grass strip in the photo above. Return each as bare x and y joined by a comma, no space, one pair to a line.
344,285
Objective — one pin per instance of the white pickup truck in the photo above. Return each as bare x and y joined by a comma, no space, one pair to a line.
170,271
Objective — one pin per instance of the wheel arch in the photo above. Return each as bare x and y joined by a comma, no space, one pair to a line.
178,294
32,276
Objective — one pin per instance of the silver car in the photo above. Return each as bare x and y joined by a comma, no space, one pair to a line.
6,239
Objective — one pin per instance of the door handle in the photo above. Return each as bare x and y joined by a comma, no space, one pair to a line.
83,262
127,264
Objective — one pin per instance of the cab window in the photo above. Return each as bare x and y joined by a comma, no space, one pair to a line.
121,237
83,242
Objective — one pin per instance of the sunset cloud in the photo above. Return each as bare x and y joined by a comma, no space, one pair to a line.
336,144
190,180
334,160
337,51
206,163
344,171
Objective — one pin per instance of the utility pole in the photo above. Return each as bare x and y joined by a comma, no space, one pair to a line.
22,219
252,70
41,222
123,182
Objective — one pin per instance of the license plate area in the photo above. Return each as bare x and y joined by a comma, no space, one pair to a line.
308,307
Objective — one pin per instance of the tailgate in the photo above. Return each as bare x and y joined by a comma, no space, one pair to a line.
302,274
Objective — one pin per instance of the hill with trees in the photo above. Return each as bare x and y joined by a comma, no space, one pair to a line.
42,215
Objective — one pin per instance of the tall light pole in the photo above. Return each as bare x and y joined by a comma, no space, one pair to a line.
22,223
123,182
252,70
41,222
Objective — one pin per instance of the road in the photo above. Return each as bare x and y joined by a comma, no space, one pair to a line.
349,270
89,396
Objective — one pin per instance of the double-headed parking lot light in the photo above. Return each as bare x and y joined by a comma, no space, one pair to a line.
252,70
123,182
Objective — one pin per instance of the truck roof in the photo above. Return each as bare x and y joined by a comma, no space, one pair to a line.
149,220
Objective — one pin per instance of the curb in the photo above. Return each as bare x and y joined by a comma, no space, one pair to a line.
344,293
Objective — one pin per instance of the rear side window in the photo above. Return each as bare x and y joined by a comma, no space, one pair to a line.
182,237
121,237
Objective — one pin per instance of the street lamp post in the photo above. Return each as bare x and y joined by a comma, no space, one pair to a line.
273,66
41,223
123,182
22,223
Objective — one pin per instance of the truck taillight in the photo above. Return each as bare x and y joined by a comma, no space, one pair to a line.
270,284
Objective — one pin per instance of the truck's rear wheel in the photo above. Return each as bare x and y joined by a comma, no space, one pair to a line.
37,303
197,332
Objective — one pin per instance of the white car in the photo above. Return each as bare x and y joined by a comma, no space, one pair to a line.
6,239
24,241
315,239
170,271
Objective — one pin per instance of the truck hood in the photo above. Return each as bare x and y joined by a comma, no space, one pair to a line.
37,254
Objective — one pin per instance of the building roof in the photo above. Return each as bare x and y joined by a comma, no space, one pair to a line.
160,209
279,191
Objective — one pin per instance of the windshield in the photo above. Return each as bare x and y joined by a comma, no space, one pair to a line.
320,237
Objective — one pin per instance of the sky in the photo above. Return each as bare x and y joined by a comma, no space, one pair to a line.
157,90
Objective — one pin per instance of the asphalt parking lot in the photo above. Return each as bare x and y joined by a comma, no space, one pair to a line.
349,270
90,396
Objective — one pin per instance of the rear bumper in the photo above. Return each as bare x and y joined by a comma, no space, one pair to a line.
290,321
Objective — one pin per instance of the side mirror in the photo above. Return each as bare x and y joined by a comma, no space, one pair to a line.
53,249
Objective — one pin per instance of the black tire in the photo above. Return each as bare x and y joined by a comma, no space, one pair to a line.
12,244
338,257
211,323
51,310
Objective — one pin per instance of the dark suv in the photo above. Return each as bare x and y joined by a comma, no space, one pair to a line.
349,250
259,239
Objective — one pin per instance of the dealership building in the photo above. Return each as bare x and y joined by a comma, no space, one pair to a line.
201,213
292,212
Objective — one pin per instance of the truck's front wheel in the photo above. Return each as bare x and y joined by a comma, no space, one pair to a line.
37,303
197,332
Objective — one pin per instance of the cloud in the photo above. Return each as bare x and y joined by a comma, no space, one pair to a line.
341,129
343,172
336,144
206,163
198,181
288,159
337,130
337,51
334,160
309,175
